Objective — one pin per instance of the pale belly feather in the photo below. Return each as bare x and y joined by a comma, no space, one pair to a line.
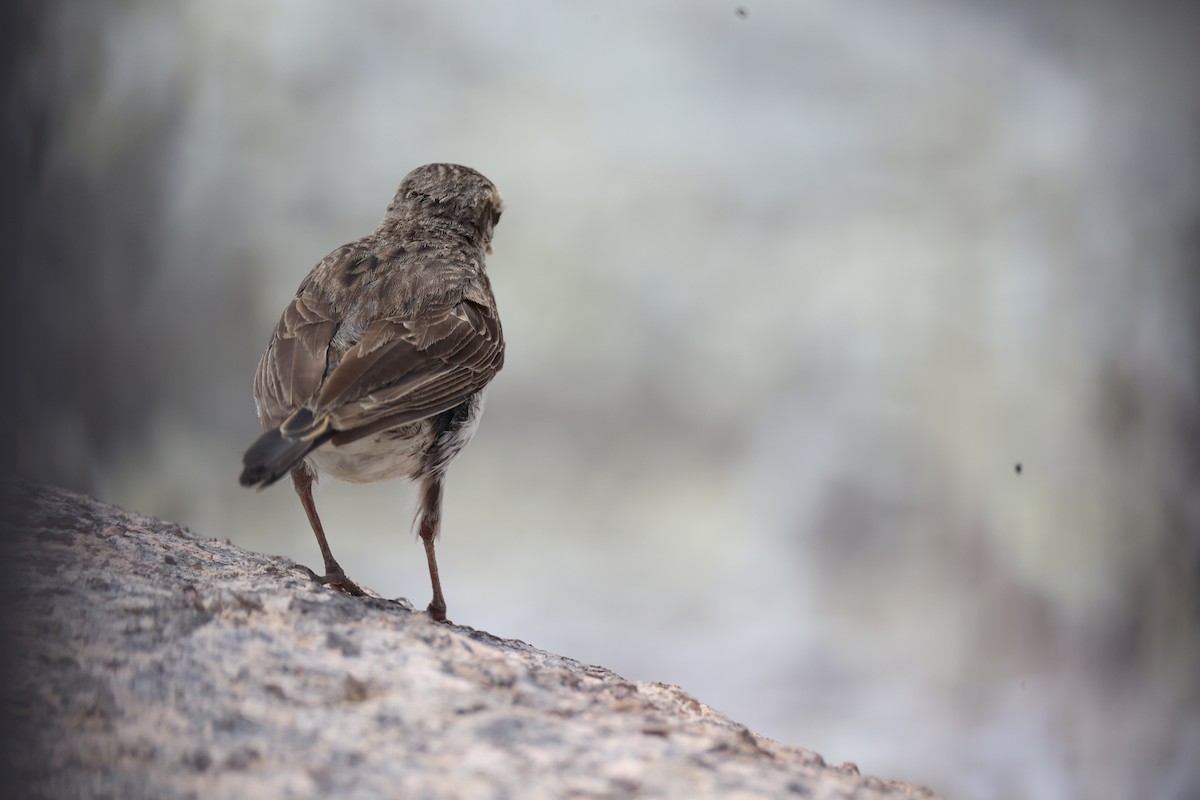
384,455
408,451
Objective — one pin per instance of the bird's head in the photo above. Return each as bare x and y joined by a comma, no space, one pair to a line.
449,192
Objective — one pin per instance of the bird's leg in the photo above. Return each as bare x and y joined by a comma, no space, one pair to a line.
431,523
334,576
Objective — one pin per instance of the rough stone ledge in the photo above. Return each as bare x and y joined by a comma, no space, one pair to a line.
148,662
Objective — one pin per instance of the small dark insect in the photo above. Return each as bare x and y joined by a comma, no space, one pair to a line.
741,12
1017,468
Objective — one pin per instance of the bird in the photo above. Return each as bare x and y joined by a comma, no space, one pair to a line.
378,367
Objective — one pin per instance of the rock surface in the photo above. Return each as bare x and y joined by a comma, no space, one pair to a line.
145,661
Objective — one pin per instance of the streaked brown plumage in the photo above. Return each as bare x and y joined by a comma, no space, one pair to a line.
377,368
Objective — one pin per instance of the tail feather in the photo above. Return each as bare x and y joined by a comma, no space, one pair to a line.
274,454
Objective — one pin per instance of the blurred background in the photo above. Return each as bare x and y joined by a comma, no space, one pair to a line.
852,379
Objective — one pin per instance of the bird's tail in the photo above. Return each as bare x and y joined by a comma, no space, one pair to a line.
277,451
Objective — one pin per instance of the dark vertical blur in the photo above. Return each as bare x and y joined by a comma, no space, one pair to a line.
88,216
20,22
103,324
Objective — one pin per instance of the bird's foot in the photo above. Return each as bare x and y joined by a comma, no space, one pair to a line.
336,579
437,611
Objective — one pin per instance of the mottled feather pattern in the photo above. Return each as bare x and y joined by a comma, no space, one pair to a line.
432,342
378,366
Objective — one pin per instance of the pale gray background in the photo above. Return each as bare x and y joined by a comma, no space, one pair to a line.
787,297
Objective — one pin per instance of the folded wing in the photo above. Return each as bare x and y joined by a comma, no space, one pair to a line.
400,370
403,370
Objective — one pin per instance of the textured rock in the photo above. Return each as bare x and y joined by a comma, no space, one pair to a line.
148,662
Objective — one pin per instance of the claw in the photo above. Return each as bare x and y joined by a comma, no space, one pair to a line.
338,580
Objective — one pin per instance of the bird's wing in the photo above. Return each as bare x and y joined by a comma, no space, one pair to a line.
407,369
291,370
322,371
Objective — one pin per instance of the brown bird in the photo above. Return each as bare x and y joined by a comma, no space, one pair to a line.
377,369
